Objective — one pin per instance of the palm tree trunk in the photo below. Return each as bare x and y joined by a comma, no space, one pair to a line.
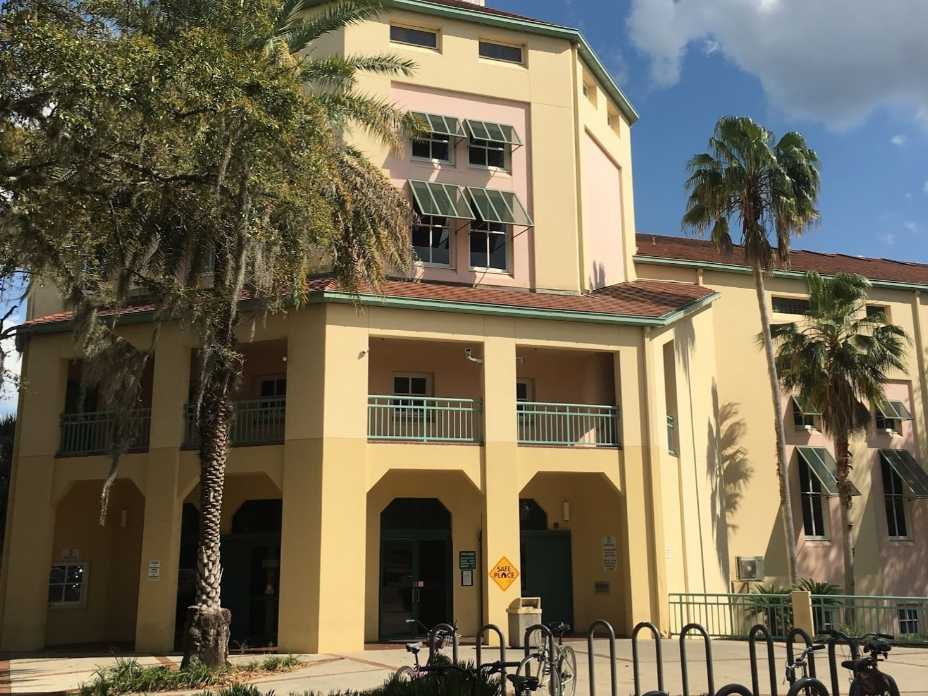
786,501
843,452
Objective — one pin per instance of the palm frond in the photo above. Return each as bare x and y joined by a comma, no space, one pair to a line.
301,22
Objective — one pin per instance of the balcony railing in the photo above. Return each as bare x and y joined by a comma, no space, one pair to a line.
421,419
259,422
89,433
567,425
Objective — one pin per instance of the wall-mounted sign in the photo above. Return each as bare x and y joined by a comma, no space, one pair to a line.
504,573
610,553
467,560
154,570
467,578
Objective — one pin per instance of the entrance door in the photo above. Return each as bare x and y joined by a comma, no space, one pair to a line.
547,573
415,568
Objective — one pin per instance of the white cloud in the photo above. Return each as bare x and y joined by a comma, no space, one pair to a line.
898,140
829,60
9,395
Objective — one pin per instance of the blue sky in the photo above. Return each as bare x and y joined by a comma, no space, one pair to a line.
848,74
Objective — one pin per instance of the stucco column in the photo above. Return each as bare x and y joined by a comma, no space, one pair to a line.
154,628
27,553
647,592
500,476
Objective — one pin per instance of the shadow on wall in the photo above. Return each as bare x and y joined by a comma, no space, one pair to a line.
728,468
597,277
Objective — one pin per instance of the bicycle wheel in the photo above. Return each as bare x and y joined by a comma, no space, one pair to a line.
536,665
566,667
808,687
405,674
888,687
734,690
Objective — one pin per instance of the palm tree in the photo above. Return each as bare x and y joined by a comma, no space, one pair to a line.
838,360
771,190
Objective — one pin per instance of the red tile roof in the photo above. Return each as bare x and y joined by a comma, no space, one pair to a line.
644,299
699,250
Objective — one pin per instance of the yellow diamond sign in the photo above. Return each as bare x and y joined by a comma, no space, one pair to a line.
504,573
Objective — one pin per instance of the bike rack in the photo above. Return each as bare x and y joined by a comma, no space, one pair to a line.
491,628
659,660
833,642
450,630
807,639
710,677
760,631
607,627
549,637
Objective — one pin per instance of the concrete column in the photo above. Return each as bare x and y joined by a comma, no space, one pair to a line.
500,476
645,567
154,628
27,553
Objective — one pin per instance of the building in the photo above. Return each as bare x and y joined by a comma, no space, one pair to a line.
550,406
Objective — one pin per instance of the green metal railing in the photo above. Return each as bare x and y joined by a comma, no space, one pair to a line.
567,425
258,422
732,615
906,618
671,435
89,433
423,419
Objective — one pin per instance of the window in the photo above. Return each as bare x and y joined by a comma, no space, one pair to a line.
489,245
67,584
878,313
411,385
790,305
813,517
804,416
415,37
431,240
523,390
613,120
908,621
894,495
589,90
273,387
889,416
484,153
495,51
433,147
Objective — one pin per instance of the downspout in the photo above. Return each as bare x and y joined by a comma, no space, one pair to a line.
922,375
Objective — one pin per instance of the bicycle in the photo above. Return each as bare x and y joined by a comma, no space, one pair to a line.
434,665
805,685
557,663
867,678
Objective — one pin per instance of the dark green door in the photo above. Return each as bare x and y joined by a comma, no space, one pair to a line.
546,573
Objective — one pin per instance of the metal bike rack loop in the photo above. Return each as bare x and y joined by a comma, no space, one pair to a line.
450,630
710,677
610,631
760,631
491,628
833,642
549,638
791,640
656,634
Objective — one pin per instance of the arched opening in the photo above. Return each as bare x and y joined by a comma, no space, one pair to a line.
415,567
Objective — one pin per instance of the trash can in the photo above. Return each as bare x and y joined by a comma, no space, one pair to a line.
524,613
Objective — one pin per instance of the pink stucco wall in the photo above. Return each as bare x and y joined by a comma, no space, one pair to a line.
601,185
401,167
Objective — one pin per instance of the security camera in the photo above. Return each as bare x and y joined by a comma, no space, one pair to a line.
469,355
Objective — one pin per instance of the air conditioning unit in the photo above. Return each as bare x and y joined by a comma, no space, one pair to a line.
751,568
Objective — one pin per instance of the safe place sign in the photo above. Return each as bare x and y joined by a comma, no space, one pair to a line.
504,573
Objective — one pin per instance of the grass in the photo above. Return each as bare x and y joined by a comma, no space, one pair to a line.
128,676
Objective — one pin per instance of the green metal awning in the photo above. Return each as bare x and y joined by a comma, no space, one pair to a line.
894,410
493,132
804,408
824,467
499,206
440,125
909,470
443,200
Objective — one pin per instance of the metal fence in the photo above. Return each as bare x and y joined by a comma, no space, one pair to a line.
906,618
567,425
731,615
89,433
259,422
423,419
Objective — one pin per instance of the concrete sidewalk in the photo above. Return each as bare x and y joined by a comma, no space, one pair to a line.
369,668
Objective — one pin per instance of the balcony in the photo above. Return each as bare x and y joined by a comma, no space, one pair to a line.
567,425
423,419
91,432
258,422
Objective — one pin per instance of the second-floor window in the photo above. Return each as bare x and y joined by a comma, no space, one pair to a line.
434,147
484,153
414,37
813,502
489,245
790,305
495,51
431,240
894,495
804,416
890,414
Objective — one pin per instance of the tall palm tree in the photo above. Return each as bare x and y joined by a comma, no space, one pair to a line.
838,359
769,190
